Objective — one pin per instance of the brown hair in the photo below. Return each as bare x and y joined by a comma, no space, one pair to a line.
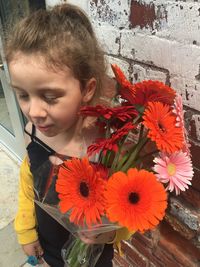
64,37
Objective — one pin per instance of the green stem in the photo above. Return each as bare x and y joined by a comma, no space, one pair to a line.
72,257
124,159
114,163
133,156
106,158
101,157
114,166
107,130
117,155
141,131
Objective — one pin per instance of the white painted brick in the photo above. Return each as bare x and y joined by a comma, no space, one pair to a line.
81,3
111,12
177,58
116,13
193,98
183,22
108,37
175,20
141,73
189,89
196,119
124,65
178,83
162,2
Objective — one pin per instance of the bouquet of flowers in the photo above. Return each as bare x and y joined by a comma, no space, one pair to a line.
145,152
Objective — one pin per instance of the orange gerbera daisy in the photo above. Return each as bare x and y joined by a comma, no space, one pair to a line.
81,190
135,200
161,122
150,91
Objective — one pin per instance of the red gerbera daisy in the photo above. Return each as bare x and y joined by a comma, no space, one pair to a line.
97,111
126,89
110,144
150,91
102,145
161,122
135,200
81,190
122,113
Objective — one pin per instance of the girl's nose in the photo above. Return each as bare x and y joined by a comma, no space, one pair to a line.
37,109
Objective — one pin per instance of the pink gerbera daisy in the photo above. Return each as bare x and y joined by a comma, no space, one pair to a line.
179,112
175,169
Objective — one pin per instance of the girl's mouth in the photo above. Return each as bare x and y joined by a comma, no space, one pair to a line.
44,128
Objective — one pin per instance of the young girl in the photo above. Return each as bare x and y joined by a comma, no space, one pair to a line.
56,66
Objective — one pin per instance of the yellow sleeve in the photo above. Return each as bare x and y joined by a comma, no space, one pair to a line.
121,234
25,221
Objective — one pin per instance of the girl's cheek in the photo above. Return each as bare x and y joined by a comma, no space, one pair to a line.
24,108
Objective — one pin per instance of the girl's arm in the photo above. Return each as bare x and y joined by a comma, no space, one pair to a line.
25,221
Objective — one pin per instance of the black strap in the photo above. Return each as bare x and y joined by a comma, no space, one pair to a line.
33,132
37,140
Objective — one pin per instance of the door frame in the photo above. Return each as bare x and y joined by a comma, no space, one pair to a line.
14,143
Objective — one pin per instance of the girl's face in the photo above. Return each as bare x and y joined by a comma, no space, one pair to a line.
50,100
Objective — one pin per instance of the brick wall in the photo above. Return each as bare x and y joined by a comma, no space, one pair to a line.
159,39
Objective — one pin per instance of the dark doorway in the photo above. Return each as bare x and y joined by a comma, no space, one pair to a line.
11,10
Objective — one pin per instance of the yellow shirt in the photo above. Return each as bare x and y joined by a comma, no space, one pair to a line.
25,221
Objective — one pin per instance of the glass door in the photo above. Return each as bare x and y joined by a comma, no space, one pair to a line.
11,122
11,119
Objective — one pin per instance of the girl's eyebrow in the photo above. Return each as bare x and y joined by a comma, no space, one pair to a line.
51,90
16,87
42,90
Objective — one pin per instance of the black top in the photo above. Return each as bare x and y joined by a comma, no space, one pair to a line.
51,234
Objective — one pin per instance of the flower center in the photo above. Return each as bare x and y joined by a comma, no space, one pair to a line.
84,189
161,127
133,198
171,169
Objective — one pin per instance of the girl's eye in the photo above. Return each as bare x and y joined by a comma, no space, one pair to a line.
23,96
50,99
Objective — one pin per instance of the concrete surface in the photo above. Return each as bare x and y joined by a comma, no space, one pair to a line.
11,254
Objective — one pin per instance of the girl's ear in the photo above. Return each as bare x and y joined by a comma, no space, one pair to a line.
89,90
